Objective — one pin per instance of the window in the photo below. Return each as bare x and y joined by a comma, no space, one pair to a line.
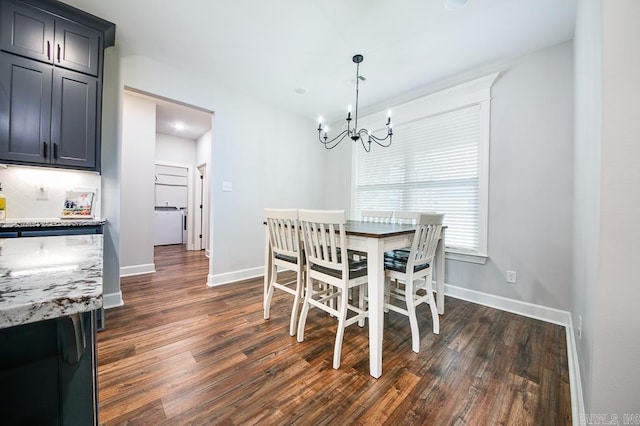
438,162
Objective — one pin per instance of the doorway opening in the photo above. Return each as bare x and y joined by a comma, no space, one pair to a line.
177,152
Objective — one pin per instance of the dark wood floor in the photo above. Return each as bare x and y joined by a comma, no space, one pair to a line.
179,352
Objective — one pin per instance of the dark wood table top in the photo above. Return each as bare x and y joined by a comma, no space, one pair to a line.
377,229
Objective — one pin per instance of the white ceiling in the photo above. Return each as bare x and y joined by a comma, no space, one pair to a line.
267,49
195,121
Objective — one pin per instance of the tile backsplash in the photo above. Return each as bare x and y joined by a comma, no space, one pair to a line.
21,185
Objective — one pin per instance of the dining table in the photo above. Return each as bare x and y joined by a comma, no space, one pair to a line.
375,238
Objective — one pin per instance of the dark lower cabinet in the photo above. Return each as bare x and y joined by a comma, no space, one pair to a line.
48,373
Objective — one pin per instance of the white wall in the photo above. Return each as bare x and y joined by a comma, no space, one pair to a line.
137,185
203,149
614,326
530,181
20,183
588,137
175,149
247,134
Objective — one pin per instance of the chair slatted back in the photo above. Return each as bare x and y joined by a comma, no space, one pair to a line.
284,235
325,238
425,240
381,216
406,217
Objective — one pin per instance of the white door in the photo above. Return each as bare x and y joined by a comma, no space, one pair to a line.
202,215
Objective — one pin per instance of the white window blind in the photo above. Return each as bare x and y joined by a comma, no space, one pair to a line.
434,164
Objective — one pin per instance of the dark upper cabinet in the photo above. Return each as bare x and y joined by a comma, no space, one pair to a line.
30,32
51,84
25,109
77,47
27,31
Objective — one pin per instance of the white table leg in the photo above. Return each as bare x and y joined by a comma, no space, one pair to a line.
375,270
440,274
267,266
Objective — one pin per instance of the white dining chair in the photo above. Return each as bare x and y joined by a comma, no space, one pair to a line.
328,262
286,255
413,276
382,216
406,217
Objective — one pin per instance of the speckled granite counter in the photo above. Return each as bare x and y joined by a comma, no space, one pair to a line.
49,277
49,222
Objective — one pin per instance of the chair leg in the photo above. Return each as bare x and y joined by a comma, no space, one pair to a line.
267,302
296,305
305,310
337,350
435,318
413,320
361,303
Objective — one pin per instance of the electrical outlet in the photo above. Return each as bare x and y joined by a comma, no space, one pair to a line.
511,277
41,192
579,326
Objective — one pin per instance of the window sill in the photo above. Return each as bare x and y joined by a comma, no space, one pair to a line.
465,257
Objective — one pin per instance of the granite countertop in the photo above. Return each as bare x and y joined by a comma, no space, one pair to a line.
49,277
47,222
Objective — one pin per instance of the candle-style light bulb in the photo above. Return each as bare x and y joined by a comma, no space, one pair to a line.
319,124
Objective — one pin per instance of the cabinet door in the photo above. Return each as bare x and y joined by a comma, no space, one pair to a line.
73,122
77,47
25,109
27,31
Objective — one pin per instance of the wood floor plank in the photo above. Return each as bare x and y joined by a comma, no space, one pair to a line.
180,352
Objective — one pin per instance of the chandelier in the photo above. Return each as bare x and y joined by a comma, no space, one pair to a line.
362,135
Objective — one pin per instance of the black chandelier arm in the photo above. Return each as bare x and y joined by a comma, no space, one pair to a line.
366,136
332,143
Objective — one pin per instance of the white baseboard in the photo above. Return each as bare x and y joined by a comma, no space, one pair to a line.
230,277
575,383
543,313
112,300
128,271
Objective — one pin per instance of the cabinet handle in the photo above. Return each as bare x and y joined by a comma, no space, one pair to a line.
44,149
48,50
58,52
55,151
72,334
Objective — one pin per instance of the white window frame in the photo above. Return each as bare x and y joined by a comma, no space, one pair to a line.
475,92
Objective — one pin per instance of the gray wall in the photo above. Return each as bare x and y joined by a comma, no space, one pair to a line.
530,183
607,227
138,187
111,157
588,130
